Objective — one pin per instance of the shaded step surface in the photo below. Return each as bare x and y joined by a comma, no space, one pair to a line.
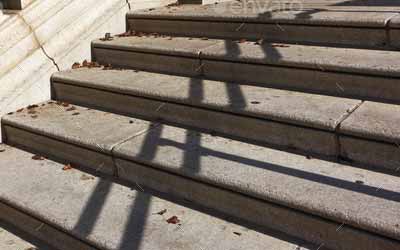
13,239
356,73
307,123
322,22
285,118
241,179
108,215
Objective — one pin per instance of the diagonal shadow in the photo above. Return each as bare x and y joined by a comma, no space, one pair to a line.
93,208
134,228
331,181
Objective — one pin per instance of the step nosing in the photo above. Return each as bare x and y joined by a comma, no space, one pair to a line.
315,212
208,19
203,106
308,66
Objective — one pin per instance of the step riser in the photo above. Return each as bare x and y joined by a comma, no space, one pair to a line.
365,87
285,136
278,134
297,224
40,230
302,34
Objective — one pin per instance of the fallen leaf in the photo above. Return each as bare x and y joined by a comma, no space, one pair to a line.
85,63
67,167
162,212
76,113
173,220
20,110
32,106
10,113
37,158
237,233
31,112
76,65
34,116
2,150
71,108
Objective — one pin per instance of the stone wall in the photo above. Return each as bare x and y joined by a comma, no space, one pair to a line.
50,35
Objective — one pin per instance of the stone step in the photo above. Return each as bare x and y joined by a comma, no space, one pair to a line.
356,73
335,23
258,184
98,213
11,238
294,120
309,124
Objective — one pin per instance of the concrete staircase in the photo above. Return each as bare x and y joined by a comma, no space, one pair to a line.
254,138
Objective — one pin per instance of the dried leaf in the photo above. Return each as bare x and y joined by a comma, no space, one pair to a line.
76,65
31,112
32,106
76,113
162,212
237,233
20,110
67,167
37,158
85,63
34,116
173,220
71,108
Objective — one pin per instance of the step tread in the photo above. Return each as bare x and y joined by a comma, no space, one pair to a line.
277,176
316,111
11,239
379,121
347,60
111,216
325,13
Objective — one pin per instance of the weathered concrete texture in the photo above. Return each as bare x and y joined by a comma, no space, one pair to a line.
374,120
315,111
79,126
185,163
346,23
377,121
11,240
307,68
278,12
111,216
366,37
395,37
42,35
211,105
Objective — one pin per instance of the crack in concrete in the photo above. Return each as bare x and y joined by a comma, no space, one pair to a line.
338,126
129,4
387,29
38,42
